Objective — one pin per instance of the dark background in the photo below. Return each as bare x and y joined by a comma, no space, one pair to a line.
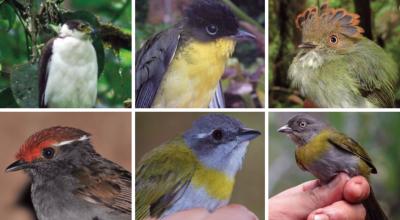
379,18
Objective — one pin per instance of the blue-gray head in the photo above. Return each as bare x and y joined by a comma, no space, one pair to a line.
220,141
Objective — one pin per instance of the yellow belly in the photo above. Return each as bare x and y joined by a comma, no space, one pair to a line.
193,74
216,183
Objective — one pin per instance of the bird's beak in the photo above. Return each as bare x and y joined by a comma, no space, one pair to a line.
88,30
247,134
242,35
307,45
17,165
285,129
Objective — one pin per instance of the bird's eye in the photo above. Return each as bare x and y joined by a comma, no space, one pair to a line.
217,134
48,153
303,124
333,39
212,29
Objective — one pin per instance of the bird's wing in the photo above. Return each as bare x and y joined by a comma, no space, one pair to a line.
343,142
376,73
161,178
109,187
152,62
218,101
377,94
45,59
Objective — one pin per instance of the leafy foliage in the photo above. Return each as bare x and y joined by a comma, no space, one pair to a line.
24,29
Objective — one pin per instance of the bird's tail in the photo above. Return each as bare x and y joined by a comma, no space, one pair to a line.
374,210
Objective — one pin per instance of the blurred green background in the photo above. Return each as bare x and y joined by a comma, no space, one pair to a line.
114,85
245,74
153,129
284,37
378,133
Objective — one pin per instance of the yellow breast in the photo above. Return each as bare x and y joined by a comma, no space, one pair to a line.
216,183
193,74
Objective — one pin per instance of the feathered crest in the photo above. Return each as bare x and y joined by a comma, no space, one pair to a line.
338,19
47,137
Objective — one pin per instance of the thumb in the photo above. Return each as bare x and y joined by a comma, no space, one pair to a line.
326,194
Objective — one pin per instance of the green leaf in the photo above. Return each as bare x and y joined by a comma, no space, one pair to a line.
94,22
6,99
25,86
119,78
7,13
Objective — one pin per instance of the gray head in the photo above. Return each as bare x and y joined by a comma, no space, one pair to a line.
220,141
52,148
302,128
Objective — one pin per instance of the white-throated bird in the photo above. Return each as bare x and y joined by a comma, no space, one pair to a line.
68,68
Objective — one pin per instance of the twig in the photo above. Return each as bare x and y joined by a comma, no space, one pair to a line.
241,14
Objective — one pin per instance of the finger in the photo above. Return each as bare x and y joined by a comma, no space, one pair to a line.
356,189
326,194
339,211
232,212
191,214
306,186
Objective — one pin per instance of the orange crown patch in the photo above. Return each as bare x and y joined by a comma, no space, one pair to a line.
340,20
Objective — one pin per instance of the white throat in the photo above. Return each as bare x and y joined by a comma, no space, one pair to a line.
67,32
72,73
311,60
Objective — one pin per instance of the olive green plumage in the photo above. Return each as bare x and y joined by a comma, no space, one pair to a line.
163,181
338,67
194,170
325,152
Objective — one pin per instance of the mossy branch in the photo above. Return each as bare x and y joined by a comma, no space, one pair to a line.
115,37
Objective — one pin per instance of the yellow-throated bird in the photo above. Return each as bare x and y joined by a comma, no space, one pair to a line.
325,152
194,170
182,66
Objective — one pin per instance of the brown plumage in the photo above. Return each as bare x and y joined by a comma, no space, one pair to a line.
326,18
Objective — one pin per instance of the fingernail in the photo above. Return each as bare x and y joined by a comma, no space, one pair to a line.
321,217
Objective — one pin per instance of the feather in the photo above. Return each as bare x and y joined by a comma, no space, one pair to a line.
340,20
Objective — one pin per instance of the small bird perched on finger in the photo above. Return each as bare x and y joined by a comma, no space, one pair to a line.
195,169
68,68
337,67
70,180
325,152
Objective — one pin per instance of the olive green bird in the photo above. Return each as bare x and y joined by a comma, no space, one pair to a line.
194,170
337,67
325,152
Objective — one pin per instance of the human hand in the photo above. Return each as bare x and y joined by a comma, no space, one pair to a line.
232,212
339,199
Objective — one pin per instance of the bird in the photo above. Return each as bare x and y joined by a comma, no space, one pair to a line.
193,170
180,67
337,67
68,69
70,180
326,152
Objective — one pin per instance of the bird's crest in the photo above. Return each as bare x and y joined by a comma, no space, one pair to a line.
339,20
53,136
